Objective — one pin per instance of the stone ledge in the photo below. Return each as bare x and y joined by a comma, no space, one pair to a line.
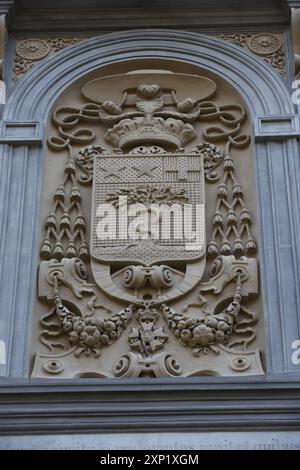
145,405
74,16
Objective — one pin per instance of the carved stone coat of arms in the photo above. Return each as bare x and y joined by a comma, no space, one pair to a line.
149,281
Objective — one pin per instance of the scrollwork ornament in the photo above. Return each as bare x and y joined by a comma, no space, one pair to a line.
85,162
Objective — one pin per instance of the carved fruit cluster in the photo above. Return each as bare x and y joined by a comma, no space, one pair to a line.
203,335
89,335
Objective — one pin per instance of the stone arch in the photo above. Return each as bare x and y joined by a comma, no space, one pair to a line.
26,113
250,75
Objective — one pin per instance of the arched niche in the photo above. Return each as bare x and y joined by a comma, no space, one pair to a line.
275,129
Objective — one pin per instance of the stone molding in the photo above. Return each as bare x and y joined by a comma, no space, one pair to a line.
276,128
272,51
22,132
43,46
143,405
48,71
211,15
277,166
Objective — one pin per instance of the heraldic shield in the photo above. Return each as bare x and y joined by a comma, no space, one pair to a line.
148,225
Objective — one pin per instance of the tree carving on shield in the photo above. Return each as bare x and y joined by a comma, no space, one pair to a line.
140,275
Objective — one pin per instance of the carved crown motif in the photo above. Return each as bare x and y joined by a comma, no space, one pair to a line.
136,131
148,110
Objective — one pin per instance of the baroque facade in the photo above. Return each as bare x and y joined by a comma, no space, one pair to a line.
150,207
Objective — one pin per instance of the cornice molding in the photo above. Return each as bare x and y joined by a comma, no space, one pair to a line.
7,7
116,15
293,3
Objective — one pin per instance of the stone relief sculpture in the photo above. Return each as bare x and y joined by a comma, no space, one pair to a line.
183,302
29,51
268,46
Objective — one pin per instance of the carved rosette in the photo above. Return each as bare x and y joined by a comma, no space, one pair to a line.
33,49
264,44
30,51
268,46
148,267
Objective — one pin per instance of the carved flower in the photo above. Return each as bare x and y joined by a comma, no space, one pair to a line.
186,335
203,335
220,336
109,326
60,43
264,43
223,326
73,337
33,49
211,322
